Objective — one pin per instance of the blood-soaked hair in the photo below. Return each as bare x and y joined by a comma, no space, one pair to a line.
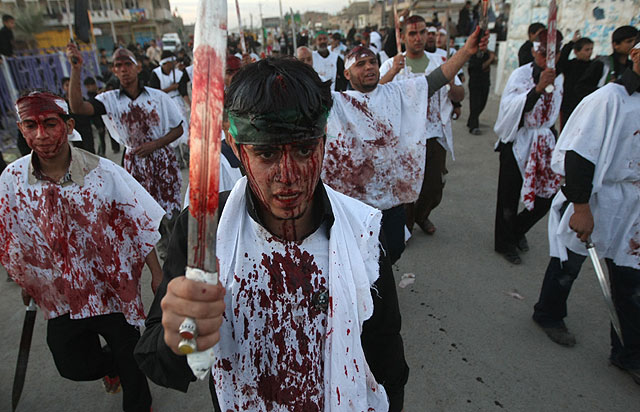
415,19
279,84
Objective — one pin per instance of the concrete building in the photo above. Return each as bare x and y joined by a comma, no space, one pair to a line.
124,21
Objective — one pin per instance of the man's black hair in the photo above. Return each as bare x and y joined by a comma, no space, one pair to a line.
7,17
535,27
273,85
336,36
89,80
582,41
166,53
623,33
64,80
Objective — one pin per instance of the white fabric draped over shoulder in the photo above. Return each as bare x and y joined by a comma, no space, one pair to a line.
605,130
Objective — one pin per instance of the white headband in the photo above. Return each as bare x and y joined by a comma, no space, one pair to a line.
432,29
351,60
443,31
167,60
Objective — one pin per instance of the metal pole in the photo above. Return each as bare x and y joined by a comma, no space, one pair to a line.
68,14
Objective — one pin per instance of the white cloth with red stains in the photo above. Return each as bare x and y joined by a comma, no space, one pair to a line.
78,248
277,350
439,108
376,145
326,67
147,118
533,143
605,130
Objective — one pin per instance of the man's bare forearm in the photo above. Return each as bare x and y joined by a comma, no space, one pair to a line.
77,103
452,66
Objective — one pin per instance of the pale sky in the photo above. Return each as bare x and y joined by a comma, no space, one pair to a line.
270,8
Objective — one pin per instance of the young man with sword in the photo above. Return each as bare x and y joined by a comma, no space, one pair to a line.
306,316
76,231
529,108
598,152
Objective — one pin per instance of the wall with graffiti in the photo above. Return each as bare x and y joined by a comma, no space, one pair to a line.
595,19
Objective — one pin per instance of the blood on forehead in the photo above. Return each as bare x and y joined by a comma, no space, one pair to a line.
35,105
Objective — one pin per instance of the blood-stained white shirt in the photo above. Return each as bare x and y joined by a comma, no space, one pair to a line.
440,107
147,118
605,130
376,145
78,247
280,349
533,142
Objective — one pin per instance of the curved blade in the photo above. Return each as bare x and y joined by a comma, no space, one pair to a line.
23,354
606,289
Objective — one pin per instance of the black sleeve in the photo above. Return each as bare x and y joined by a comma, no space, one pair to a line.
183,83
98,107
579,178
563,61
154,81
341,81
532,99
381,340
588,83
154,357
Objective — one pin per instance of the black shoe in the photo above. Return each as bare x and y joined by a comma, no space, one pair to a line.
635,373
512,257
559,334
475,131
523,245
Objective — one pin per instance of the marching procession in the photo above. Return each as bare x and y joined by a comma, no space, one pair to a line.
268,215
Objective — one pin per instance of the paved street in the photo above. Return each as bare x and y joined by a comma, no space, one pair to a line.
471,344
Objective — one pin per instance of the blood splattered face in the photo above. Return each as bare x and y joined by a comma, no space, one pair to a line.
284,177
42,125
415,37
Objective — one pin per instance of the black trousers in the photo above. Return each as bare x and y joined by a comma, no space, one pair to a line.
432,185
551,308
478,95
393,223
78,355
510,225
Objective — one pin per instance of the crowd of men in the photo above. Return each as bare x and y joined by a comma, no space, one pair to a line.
328,161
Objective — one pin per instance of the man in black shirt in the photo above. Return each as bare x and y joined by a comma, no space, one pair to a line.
524,54
573,70
605,69
479,85
279,136
6,35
